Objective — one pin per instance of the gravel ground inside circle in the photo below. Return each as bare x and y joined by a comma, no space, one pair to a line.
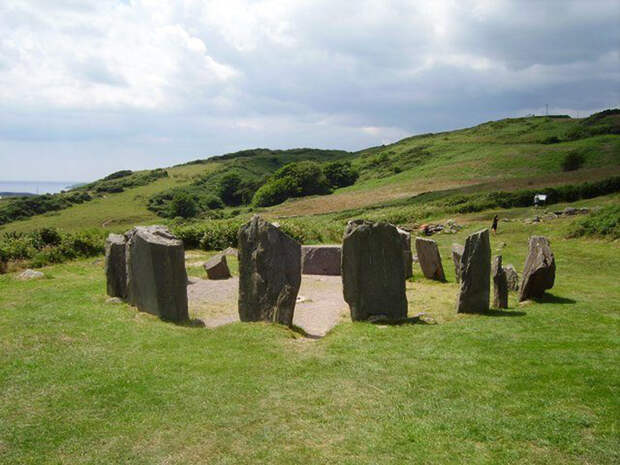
320,305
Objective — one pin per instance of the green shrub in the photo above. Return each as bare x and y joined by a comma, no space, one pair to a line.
603,223
275,192
118,174
572,161
340,174
183,205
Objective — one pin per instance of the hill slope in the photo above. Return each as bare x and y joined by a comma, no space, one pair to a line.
507,154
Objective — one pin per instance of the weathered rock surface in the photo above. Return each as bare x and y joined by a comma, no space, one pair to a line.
457,253
539,269
30,274
116,266
512,277
156,276
321,259
405,237
269,273
500,284
217,267
373,275
429,258
231,251
475,274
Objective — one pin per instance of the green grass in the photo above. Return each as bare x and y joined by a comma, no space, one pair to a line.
83,381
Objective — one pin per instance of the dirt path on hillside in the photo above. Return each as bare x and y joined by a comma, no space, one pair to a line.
319,308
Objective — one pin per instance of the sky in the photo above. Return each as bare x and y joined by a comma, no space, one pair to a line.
88,87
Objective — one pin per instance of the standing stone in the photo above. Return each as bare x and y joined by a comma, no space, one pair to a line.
405,237
269,273
373,275
321,259
512,277
217,267
475,274
156,276
457,254
429,258
115,266
539,270
500,284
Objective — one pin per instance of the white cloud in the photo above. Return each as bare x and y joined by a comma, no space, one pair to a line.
167,80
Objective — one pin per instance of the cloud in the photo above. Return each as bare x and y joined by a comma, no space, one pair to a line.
148,83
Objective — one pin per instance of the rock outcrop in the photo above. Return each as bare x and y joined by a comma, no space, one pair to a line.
321,259
539,269
373,274
429,259
475,274
269,273
156,276
116,266
500,284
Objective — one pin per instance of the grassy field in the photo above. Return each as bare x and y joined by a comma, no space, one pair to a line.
84,381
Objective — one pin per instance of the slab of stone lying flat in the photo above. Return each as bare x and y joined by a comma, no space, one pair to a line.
321,259
215,302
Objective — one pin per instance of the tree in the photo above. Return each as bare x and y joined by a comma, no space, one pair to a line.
183,205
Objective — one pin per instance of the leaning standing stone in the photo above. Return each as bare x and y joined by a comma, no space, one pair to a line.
115,266
457,253
539,270
373,275
429,258
156,276
512,277
269,273
405,237
500,284
217,267
475,274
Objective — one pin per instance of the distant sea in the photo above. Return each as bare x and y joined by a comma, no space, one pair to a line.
35,187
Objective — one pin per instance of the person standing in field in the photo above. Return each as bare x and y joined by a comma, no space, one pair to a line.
494,225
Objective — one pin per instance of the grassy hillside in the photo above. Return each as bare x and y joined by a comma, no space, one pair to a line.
88,382
509,154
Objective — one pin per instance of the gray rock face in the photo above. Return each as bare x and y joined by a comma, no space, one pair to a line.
373,275
217,267
539,269
116,266
269,273
156,277
321,259
457,253
405,237
475,274
500,284
512,277
429,258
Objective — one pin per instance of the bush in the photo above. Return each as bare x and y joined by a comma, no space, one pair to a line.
275,192
572,161
183,205
340,174
603,223
118,174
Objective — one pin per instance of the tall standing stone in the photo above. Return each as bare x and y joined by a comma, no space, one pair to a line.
512,277
405,237
457,254
539,269
475,274
269,273
429,258
500,284
115,266
373,274
156,276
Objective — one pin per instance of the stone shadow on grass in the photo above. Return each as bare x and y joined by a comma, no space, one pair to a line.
495,312
554,299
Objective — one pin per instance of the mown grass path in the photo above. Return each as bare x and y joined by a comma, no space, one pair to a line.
83,381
